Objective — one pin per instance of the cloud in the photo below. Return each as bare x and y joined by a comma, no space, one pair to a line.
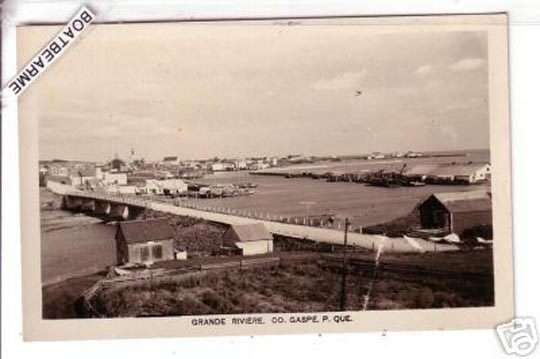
467,64
424,69
343,81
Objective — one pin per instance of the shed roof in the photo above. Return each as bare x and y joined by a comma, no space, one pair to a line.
465,201
447,169
251,232
87,171
146,230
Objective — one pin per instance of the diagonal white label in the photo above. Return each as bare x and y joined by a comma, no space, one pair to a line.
50,53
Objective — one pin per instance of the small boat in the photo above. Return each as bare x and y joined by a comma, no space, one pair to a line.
452,238
416,184
484,241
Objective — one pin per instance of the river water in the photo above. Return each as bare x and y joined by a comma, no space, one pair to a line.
72,244
363,205
75,244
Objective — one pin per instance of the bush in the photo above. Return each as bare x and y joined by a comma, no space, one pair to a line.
424,298
218,303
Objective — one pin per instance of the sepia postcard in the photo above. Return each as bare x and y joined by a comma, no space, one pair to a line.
247,177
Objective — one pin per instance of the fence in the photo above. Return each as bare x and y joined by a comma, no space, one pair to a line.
224,216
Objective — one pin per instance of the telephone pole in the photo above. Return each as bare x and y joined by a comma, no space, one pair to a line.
343,297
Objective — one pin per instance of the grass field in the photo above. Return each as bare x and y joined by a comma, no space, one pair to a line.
294,287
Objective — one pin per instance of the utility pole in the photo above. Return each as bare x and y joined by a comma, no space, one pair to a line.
343,299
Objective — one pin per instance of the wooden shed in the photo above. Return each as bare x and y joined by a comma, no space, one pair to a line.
144,241
249,239
456,211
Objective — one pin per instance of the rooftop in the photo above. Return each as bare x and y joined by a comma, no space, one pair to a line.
251,232
465,201
447,169
146,230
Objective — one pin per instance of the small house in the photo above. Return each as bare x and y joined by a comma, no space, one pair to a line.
145,241
249,239
173,187
456,211
152,187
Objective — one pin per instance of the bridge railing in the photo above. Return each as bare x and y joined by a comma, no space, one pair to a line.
110,197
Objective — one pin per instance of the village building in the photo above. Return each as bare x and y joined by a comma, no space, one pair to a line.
223,166
376,156
412,154
170,160
468,173
167,187
144,241
248,239
173,187
241,165
100,172
118,165
81,177
116,178
151,187
43,170
456,211
58,169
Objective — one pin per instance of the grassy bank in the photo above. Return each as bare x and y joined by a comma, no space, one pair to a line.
292,287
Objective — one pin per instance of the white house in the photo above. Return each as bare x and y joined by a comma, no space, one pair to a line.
164,187
173,186
152,187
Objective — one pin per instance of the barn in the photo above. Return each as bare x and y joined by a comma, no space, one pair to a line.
249,239
456,211
144,241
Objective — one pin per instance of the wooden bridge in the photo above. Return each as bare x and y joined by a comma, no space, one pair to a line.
129,207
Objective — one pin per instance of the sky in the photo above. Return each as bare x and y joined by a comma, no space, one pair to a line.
228,90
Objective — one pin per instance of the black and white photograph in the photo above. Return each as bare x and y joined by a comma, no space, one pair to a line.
233,171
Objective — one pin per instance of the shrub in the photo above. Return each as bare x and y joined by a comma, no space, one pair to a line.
218,303
424,299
